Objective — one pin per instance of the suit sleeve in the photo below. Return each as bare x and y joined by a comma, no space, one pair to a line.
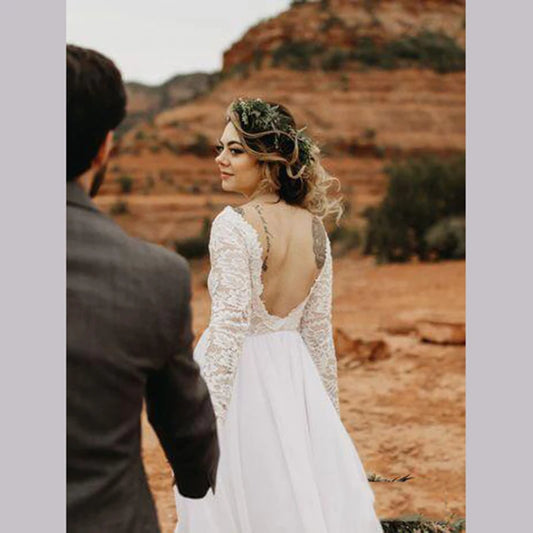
180,410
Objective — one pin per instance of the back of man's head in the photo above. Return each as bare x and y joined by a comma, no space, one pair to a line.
96,104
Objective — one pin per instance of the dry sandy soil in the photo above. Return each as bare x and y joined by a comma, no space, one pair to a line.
406,413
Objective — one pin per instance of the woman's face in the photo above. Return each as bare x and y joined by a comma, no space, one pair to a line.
239,170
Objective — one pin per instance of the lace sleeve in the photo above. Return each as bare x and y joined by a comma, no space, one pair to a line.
230,291
317,330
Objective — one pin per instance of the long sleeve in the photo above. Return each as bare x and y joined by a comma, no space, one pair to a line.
231,293
180,410
317,331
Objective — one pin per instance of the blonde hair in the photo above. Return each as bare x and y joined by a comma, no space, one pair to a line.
289,160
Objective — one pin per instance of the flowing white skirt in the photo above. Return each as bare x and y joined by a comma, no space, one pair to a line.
287,464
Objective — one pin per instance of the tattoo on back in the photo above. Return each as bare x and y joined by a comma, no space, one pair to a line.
239,210
267,234
319,242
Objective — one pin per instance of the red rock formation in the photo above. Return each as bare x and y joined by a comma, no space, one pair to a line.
342,22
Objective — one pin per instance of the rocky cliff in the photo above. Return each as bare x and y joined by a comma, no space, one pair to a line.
393,91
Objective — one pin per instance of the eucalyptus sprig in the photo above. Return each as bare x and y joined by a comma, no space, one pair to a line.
258,116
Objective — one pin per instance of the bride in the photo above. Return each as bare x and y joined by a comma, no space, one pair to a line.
287,463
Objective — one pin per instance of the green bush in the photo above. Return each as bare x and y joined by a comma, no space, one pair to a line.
345,238
258,58
427,49
119,208
367,52
195,247
334,60
296,55
421,192
331,22
446,239
419,524
380,151
126,183
434,50
201,146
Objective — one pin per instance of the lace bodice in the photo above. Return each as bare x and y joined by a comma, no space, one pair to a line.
237,310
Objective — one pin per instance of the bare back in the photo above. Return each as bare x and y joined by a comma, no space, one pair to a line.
293,242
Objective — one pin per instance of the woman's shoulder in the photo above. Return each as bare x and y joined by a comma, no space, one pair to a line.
225,217
230,221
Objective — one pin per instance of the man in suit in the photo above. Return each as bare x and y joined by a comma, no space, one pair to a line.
128,336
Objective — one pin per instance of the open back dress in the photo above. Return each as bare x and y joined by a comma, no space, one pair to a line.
287,464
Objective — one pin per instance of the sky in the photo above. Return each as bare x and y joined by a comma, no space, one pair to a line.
152,41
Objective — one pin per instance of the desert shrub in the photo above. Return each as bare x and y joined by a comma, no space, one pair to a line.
427,49
140,135
434,50
171,147
195,247
367,52
420,193
258,58
419,524
296,55
126,183
446,239
201,146
344,238
331,22
344,82
334,59
119,208
369,134
380,151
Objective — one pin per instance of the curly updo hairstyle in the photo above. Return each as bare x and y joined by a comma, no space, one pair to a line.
289,159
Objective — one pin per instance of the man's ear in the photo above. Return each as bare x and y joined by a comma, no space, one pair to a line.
104,150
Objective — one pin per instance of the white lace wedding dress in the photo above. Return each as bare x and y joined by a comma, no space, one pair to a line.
287,463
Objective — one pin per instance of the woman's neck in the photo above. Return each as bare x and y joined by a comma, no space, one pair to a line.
265,197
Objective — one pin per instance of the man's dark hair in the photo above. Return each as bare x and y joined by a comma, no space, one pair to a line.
96,104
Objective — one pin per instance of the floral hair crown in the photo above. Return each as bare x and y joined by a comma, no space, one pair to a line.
257,116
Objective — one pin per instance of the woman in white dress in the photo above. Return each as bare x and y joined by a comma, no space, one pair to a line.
287,464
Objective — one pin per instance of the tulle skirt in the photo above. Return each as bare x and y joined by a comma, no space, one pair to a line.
287,464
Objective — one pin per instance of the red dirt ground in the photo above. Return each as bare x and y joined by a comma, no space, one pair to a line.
406,414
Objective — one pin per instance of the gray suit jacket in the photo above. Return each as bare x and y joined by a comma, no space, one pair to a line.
128,338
